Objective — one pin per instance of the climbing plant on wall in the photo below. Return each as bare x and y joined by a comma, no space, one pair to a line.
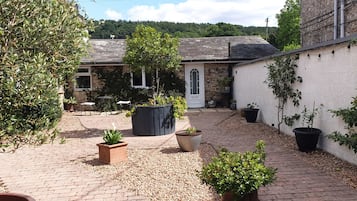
349,116
281,79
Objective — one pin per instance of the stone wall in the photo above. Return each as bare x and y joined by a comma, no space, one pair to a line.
317,20
214,72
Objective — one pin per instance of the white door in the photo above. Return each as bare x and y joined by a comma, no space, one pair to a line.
195,93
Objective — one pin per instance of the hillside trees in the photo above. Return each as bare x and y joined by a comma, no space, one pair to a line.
41,43
121,28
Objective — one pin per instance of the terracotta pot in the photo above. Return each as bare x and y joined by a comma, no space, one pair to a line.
188,142
229,196
115,153
15,197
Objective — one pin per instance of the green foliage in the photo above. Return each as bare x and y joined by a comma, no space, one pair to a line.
121,28
112,136
291,46
178,102
252,105
70,100
308,116
239,173
349,116
289,120
288,34
41,44
191,130
153,51
281,79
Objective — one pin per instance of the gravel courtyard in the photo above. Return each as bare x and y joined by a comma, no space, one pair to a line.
158,170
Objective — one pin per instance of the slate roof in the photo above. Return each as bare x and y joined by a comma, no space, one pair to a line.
214,49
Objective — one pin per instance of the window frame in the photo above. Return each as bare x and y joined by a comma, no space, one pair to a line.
79,74
143,80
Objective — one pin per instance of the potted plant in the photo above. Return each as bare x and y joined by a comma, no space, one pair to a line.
113,150
189,139
233,105
251,112
307,137
158,116
224,84
238,176
153,52
69,103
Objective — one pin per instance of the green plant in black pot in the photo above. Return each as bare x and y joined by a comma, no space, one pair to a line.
251,112
237,176
69,103
307,136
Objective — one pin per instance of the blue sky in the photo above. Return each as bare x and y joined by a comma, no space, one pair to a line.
242,12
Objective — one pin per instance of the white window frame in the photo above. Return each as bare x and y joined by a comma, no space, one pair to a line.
88,73
143,80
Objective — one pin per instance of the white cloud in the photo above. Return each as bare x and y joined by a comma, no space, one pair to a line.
242,12
113,15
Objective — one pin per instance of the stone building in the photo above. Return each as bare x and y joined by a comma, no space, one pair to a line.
326,20
205,62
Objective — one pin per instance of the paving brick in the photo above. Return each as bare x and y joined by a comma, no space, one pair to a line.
56,171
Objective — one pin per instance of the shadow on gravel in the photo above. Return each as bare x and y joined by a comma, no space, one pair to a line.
170,150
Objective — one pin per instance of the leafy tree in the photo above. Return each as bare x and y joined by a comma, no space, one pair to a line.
153,51
281,79
288,33
223,29
41,43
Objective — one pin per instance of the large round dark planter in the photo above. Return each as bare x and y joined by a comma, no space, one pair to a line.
253,196
189,142
15,197
307,138
251,114
153,120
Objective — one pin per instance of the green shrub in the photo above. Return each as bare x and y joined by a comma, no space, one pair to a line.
112,136
349,116
239,173
40,48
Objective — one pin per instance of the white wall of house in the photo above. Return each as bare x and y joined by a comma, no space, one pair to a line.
329,78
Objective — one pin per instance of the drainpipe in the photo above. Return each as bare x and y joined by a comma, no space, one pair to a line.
229,49
335,20
342,28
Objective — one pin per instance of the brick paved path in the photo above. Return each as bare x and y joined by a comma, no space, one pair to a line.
52,172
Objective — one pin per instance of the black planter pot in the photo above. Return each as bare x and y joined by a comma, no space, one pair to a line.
251,114
153,120
307,138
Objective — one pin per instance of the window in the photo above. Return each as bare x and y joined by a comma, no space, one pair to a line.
141,79
194,81
83,79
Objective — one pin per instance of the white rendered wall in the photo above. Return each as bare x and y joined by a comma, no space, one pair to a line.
329,80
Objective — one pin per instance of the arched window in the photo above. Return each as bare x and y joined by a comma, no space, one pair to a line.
194,81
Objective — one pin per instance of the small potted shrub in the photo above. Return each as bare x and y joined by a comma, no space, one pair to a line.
113,150
251,112
189,139
238,176
69,103
307,137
